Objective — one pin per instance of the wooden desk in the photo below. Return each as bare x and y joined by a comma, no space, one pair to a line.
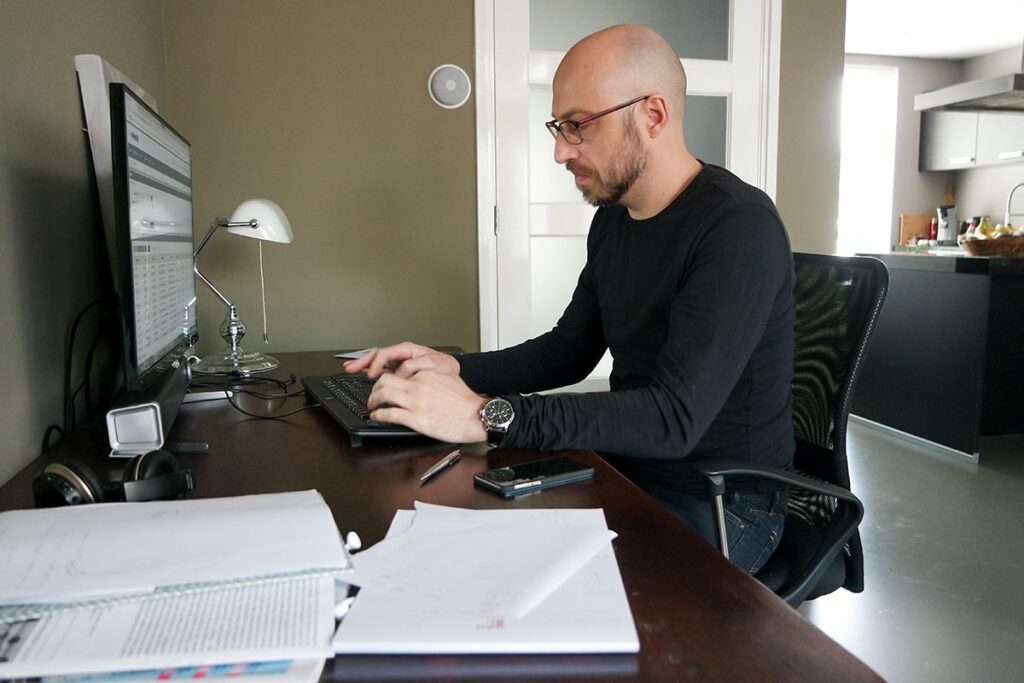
698,617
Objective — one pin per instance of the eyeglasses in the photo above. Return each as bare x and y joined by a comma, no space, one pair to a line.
570,130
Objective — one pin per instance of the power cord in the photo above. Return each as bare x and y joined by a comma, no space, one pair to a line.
69,420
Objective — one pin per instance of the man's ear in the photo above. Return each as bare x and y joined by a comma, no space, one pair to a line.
657,111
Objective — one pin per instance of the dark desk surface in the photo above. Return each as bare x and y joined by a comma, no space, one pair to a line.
698,617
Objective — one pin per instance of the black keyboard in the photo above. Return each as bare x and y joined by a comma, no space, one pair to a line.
344,397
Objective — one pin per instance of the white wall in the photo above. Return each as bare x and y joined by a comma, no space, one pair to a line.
982,191
810,99
913,191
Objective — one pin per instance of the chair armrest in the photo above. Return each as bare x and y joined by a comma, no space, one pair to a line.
715,468
715,471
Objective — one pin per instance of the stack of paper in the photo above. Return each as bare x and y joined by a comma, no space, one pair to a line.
447,580
131,586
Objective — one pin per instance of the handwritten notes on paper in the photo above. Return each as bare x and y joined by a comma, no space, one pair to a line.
468,594
484,560
66,554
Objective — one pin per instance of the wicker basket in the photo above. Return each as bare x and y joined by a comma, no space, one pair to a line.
998,246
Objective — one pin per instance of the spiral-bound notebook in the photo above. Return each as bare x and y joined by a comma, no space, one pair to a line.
128,586
284,619
117,550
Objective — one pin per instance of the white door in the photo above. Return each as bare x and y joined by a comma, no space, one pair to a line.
532,221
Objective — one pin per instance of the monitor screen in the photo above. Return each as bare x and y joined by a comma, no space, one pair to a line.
153,225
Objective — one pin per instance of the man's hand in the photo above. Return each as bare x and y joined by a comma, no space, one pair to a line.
404,360
436,404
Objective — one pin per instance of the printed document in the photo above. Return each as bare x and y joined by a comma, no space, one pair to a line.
289,619
279,671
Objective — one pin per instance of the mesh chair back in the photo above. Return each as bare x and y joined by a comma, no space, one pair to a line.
837,303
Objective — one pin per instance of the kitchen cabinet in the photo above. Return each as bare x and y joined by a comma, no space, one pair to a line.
952,140
1000,138
948,140
945,363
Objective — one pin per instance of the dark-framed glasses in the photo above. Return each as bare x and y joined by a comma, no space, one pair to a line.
570,130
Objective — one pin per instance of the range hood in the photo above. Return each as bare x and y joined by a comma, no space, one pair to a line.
1004,93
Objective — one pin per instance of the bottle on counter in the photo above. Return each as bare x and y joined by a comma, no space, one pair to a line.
933,230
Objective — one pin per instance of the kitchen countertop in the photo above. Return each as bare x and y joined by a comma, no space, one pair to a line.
954,263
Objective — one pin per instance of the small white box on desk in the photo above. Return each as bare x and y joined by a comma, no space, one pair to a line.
133,430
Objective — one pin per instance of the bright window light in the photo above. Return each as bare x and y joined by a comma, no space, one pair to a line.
867,159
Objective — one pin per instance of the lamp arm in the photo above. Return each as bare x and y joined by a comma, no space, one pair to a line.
209,233
219,223
223,299
222,223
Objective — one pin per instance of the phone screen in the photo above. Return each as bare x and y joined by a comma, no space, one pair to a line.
534,475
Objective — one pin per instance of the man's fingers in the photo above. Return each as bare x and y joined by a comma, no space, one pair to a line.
393,415
385,360
357,364
440,363
389,390
414,365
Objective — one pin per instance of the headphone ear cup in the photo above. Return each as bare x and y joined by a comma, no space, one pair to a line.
67,482
149,465
156,475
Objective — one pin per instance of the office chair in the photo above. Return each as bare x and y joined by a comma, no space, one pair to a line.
837,301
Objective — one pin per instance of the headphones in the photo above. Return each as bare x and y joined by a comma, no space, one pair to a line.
156,475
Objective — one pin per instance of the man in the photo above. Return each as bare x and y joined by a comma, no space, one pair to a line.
688,282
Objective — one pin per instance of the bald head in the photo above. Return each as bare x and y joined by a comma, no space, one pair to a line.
620,63
625,90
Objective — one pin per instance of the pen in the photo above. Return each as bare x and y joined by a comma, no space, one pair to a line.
443,463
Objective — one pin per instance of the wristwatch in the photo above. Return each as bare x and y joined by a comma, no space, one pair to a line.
497,414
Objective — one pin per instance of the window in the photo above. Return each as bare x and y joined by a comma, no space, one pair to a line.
867,159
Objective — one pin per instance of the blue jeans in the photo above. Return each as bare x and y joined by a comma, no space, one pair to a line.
753,524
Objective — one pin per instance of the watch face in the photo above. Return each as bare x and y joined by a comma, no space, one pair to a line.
498,413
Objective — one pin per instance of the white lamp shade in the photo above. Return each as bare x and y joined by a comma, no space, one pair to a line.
272,224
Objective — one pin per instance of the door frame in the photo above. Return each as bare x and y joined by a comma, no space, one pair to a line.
762,93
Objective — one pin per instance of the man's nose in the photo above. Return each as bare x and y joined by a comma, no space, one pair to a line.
564,151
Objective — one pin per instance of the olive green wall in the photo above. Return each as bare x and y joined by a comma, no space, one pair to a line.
810,110
320,106
52,259
323,108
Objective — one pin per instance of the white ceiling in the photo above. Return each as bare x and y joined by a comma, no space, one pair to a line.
950,29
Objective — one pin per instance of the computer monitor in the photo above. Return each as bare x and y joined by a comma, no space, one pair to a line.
152,259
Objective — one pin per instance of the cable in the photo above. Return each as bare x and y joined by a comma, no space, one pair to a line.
270,397
46,436
69,359
86,383
228,383
239,408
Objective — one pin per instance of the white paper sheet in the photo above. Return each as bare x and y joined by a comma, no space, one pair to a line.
82,552
587,613
353,355
496,562
290,619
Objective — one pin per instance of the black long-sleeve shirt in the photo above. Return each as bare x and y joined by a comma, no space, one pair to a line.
696,307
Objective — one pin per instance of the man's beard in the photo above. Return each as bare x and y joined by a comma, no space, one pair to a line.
608,189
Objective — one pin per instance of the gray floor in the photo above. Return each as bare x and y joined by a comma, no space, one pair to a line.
944,563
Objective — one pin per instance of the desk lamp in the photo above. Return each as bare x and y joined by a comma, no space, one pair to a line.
264,220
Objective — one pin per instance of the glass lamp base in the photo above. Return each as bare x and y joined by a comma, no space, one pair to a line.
243,363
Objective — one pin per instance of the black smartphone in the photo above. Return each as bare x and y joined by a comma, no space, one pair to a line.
533,476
